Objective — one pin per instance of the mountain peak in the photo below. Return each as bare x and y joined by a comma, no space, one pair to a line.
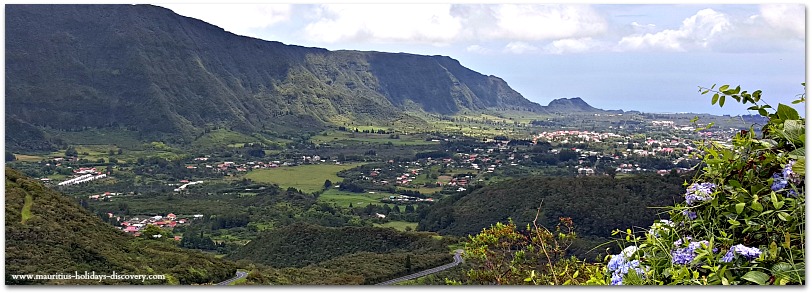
575,104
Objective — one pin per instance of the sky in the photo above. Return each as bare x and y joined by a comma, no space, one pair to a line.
645,57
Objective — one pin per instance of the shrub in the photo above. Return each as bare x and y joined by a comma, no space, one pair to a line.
742,221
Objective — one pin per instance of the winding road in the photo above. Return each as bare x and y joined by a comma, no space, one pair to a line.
239,275
457,260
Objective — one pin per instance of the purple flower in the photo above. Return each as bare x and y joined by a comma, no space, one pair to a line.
788,173
699,192
779,182
728,256
689,214
619,265
749,253
617,279
685,255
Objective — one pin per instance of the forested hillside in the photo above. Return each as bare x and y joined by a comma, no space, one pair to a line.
310,254
299,245
48,233
597,205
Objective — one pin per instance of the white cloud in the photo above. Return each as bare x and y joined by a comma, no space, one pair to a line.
546,22
519,48
774,28
566,46
697,31
240,19
448,23
477,49
421,23
786,19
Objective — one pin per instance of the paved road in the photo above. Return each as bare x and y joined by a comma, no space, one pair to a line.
239,275
457,260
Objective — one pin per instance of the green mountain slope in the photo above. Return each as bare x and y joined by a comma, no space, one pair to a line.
48,233
145,68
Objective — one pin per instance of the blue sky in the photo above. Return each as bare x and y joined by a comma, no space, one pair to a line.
633,57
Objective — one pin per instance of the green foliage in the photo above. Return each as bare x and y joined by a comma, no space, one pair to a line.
757,199
503,255
299,245
597,204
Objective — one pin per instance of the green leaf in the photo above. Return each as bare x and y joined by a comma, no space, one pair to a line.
800,167
773,253
784,216
774,199
739,208
723,87
757,206
722,101
756,277
714,99
785,112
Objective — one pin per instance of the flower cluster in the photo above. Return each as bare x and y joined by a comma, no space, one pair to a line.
685,255
787,176
699,192
689,214
619,265
749,253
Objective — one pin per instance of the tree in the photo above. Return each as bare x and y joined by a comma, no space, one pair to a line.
71,152
505,255
328,184
10,157
408,263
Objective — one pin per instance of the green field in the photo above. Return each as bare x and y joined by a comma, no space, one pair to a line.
26,212
27,158
344,199
307,178
223,137
398,225
370,138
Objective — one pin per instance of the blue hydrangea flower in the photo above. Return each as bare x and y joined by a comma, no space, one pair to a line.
617,279
619,265
788,173
685,255
689,214
728,256
699,192
782,180
779,182
749,253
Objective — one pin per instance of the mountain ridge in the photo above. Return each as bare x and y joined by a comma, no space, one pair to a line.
145,68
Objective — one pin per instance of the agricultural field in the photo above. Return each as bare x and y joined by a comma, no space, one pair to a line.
307,178
344,199
398,225
370,138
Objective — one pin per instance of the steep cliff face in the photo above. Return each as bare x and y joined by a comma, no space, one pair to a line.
146,68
